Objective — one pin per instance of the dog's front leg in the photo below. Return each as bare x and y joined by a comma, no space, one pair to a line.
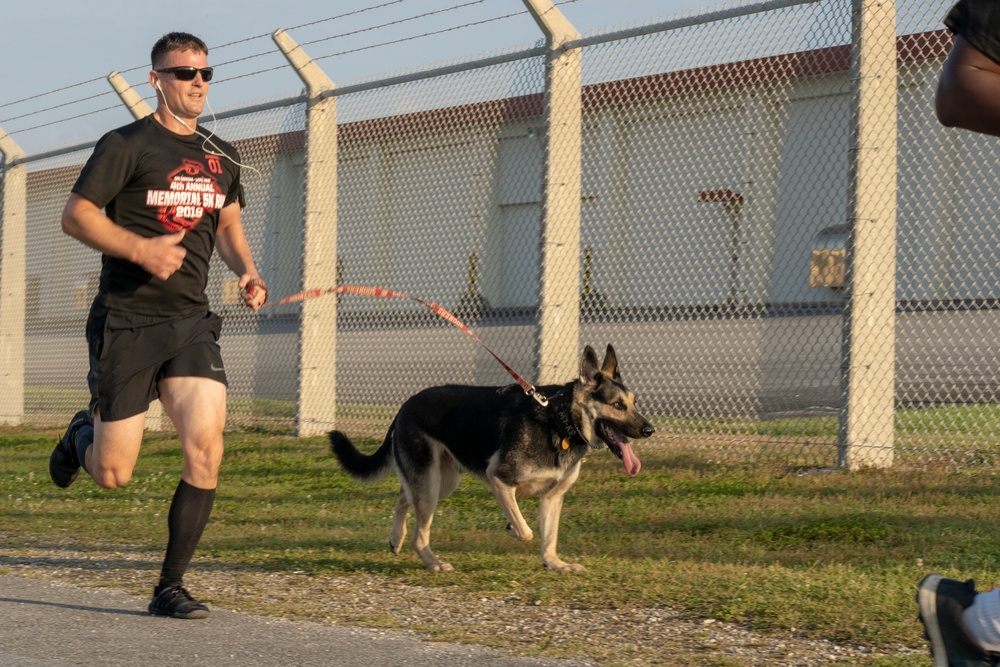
507,497
549,511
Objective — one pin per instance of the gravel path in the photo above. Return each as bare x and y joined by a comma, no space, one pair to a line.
622,637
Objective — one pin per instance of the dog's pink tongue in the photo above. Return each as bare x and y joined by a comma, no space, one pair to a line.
631,461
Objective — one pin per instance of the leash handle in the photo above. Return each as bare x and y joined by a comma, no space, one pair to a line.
379,292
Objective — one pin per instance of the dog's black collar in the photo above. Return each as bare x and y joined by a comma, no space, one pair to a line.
559,408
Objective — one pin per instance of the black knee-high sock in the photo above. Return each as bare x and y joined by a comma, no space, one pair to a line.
189,512
83,438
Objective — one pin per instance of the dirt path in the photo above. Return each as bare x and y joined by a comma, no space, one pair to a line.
633,637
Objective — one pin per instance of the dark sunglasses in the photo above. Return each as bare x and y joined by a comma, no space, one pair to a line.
188,73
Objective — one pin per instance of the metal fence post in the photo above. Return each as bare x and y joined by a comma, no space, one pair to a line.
136,105
13,230
559,307
318,336
867,419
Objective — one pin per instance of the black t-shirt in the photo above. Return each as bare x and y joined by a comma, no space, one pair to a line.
152,181
978,22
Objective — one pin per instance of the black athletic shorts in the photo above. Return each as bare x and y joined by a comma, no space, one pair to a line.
130,353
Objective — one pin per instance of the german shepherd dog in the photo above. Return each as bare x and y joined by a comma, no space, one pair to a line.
506,438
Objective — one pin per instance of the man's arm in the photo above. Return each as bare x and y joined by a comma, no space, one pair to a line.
968,92
231,242
161,256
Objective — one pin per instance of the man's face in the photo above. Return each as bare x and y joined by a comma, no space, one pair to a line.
184,98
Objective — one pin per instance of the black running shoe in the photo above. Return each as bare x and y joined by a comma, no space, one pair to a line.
63,464
177,602
942,602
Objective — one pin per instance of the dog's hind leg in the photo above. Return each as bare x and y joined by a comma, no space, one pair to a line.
421,541
398,531
424,499
549,511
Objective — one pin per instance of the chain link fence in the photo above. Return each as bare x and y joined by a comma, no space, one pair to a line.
717,224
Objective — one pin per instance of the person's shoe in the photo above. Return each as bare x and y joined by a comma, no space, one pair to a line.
941,603
63,464
177,602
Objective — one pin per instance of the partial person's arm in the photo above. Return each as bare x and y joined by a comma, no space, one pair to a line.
231,242
161,255
968,92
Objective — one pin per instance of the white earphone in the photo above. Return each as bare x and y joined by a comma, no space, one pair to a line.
207,139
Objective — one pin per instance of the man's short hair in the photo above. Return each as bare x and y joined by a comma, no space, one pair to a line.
175,41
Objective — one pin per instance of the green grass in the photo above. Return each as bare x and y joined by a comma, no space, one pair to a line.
834,554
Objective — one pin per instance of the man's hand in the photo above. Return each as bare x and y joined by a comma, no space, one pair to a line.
161,255
254,291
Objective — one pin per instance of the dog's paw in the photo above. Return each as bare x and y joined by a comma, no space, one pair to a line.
524,535
396,539
441,567
560,566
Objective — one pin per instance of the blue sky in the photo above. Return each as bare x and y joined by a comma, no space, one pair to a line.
67,43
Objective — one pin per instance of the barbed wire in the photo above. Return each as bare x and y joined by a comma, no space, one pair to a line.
51,92
340,35
392,23
413,37
387,43
274,50
74,117
371,46
375,27
381,44
312,23
230,44
58,106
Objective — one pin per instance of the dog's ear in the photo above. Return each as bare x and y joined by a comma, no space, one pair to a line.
588,365
610,367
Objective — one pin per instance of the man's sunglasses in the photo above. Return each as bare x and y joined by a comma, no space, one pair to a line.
188,73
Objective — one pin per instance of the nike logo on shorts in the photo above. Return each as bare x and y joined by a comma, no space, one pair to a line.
216,368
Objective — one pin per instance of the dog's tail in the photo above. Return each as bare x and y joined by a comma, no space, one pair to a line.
362,467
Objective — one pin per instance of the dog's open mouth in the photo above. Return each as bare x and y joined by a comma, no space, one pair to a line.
620,446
